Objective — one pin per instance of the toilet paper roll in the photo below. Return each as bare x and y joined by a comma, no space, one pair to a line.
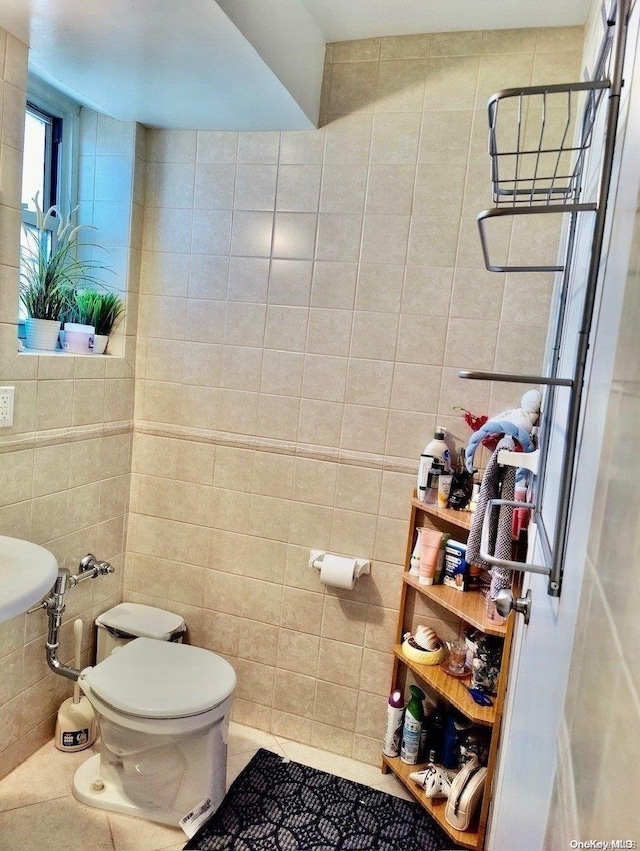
338,571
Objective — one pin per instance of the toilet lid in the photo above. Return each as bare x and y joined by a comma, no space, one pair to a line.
159,679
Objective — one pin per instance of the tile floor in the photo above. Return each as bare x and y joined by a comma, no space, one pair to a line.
39,813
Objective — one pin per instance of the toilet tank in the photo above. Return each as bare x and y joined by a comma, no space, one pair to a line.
127,621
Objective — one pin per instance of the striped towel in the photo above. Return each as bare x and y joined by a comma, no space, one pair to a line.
497,483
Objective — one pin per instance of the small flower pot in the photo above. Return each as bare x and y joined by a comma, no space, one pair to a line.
100,343
42,334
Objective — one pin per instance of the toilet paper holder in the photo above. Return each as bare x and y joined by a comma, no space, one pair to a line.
363,565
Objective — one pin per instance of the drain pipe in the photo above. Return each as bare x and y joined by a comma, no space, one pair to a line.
54,605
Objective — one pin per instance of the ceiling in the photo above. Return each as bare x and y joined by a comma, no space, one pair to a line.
342,20
230,64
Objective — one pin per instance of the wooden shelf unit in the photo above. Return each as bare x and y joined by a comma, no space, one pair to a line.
469,606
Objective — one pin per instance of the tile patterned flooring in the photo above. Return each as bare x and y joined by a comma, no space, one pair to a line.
39,813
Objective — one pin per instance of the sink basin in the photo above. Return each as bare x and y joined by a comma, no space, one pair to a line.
27,572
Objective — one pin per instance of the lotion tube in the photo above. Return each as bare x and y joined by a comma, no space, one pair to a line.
431,541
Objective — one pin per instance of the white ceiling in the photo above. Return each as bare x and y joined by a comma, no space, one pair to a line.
342,20
230,64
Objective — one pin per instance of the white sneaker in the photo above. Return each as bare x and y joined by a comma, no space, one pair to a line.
435,780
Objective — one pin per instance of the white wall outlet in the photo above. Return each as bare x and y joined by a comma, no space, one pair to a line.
6,406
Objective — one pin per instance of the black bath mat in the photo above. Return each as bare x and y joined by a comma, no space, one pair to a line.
275,805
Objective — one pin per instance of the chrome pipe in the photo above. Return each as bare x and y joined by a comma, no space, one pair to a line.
54,605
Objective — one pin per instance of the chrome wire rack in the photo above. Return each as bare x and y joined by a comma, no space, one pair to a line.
541,163
538,155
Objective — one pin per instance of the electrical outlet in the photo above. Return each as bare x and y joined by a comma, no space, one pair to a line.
6,406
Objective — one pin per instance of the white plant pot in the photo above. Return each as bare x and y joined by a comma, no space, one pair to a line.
41,333
100,343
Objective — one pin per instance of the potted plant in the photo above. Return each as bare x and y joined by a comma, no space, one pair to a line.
102,310
50,273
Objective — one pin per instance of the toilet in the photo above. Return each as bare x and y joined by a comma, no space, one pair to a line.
163,711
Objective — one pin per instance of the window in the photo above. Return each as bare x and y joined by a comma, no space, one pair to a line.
41,163
49,168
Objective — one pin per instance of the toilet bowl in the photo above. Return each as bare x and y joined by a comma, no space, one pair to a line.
163,713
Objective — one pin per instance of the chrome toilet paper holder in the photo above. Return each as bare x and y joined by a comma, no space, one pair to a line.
363,565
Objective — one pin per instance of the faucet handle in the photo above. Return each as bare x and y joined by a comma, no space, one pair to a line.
91,563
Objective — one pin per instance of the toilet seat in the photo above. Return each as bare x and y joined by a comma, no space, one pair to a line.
159,679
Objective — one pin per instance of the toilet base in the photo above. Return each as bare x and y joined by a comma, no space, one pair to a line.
112,797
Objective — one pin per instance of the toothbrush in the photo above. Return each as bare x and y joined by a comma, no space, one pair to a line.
77,637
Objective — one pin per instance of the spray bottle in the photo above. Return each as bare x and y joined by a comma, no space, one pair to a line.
393,733
76,727
412,729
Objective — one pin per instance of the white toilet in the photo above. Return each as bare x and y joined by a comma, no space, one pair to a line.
163,711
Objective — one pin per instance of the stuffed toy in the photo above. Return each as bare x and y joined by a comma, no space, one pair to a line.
516,422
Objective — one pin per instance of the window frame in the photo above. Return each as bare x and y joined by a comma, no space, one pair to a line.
65,113
65,125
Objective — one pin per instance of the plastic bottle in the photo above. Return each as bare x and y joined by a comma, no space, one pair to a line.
412,728
435,459
414,563
393,733
436,733
438,449
423,474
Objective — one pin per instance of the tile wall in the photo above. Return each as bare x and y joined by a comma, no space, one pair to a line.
65,464
306,301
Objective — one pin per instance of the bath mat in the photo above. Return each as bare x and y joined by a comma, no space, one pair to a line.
275,805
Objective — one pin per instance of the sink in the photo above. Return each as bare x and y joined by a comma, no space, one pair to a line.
27,572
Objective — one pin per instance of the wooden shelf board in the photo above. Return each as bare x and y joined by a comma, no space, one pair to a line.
435,808
467,605
461,519
452,689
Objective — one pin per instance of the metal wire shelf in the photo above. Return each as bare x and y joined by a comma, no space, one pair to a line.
539,171
536,164
539,162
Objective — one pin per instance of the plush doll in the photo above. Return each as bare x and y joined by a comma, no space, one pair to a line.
516,422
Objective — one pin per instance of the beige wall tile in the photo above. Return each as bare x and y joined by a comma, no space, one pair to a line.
331,738
300,147
339,663
290,282
291,726
401,85
298,188
374,335
248,279
334,284
261,601
451,82
294,694
343,620
298,652
395,138
258,147
343,188
348,139
380,287
384,239
353,87
258,642
302,610
335,705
